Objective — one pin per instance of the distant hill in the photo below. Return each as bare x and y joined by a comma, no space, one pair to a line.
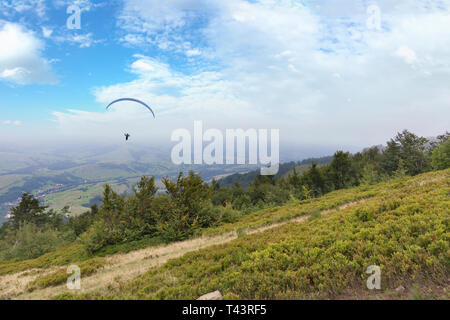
285,168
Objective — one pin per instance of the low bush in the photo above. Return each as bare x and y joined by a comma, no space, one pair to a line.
60,276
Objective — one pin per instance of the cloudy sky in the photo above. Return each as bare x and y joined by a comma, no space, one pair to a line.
338,74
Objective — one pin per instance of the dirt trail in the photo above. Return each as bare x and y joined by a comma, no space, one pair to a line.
124,267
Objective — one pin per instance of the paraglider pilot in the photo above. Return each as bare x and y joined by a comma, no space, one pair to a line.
127,136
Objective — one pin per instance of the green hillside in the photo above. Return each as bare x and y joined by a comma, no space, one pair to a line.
311,249
403,228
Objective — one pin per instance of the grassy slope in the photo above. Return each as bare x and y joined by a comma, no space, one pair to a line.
75,253
401,225
404,229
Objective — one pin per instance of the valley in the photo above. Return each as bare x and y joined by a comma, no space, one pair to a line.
60,182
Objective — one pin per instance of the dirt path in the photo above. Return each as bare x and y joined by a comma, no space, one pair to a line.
125,267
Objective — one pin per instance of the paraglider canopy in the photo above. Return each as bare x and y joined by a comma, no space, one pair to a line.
133,100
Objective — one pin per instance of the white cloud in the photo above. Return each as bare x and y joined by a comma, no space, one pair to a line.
133,39
407,54
21,59
193,52
175,97
46,32
83,40
160,23
314,69
173,92
84,5
9,8
14,123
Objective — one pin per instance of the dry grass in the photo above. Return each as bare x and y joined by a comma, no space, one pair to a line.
123,267
12,285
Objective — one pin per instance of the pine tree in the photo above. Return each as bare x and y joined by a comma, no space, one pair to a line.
29,210
340,168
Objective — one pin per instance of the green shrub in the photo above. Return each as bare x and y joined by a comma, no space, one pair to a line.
60,276
441,156
30,242
315,215
229,215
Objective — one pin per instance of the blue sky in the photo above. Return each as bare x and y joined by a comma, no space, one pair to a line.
331,73
76,66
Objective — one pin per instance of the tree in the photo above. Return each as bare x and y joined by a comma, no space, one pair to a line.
413,150
441,156
369,175
114,223
189,193
240,198
401,170
79,224
29,210
215,185
294,179
340,168
144,195
391,156
366,166
182,206
314,181
440,139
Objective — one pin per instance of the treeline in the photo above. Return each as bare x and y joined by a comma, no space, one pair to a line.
405,154
190,204
245,179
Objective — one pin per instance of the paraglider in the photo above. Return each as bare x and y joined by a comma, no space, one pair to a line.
133,100
127,135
